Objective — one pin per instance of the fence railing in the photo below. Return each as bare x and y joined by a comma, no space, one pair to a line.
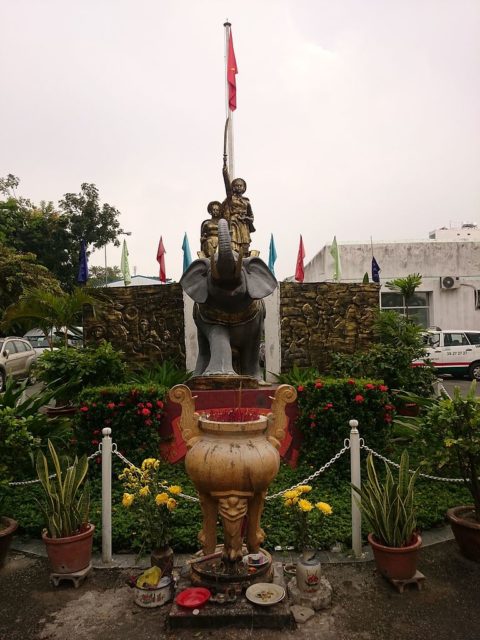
355,444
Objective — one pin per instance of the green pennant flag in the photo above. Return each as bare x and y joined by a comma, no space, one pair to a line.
124,266
335,253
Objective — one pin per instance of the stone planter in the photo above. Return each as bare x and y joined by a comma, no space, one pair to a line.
396,563
466,530
8,526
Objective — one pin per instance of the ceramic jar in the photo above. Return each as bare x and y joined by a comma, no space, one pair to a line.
309,572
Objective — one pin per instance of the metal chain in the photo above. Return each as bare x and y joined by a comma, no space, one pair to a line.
346,447
53,475
395,464
133,466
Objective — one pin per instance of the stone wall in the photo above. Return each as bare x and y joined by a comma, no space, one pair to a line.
146,323
320,317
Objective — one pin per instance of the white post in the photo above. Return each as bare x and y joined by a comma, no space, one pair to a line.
356,480
106,496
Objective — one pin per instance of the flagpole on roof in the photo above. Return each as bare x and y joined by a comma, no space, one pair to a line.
228,110
371,244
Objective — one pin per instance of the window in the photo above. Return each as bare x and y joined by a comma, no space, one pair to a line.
418,306
454,339
474,337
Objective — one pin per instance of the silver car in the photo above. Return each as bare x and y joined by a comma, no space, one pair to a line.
16,358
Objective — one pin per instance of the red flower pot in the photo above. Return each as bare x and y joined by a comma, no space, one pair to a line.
397,563
70,554
466,530
7,529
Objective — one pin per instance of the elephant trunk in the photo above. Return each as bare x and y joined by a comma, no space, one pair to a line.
225,265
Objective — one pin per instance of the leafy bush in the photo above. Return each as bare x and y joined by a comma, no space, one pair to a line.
134,413
391,364
81,368
327,405
166,374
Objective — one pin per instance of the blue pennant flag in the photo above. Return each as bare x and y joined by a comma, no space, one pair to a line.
272,255
187,256
83,264
375,271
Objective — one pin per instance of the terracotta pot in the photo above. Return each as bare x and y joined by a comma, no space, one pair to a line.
397,563
163,559
71,554
7,529
466,530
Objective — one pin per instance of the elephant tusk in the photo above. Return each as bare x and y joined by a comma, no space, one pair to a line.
214,270
238,266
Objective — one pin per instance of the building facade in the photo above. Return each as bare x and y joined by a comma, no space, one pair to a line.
449,263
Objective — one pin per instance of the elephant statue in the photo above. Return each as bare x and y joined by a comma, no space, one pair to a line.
229,311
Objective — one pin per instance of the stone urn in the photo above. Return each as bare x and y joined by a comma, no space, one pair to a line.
232,465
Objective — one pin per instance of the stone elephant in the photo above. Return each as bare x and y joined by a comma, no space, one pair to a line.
229,312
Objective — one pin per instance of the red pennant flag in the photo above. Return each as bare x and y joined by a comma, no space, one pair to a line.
161,260
232,71
299,270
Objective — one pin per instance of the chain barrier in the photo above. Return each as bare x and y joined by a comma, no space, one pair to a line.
53,475
395,464
346,447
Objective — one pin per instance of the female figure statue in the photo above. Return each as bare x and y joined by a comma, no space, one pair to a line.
238,212
209,229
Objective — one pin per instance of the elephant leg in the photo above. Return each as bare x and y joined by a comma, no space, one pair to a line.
255,535
203,357
220,350
208,533
250,351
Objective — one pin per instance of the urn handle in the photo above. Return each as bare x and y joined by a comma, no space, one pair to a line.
182,395
277,419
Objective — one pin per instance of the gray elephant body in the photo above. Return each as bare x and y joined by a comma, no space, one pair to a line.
229,310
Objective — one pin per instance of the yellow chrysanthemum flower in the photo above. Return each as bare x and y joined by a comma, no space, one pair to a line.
324,508
305,505
127,499
156,465
161,498
290,494
304,488
288,502
175,489
448,442
148,462
171,504
144,491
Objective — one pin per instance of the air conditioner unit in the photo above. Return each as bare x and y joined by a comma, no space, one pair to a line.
449,282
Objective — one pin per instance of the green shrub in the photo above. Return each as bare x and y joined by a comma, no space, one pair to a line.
133,412
166,374
81,368
327,405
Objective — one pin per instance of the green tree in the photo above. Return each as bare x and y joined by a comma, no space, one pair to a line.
406,286
49,310
96,276
20,272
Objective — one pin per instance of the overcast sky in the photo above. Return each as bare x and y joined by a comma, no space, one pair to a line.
355,117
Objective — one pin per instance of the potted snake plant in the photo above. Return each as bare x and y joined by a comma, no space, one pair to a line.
68,535
389,510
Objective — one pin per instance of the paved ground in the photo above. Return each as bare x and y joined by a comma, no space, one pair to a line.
365,606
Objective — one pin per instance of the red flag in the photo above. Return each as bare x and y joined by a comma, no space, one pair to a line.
231,73
299,270
161,260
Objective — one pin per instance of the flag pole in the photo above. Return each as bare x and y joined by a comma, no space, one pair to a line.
228,112
371,244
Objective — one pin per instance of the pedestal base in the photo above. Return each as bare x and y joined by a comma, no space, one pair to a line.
240,614
214,383
320,599
77,577
418,580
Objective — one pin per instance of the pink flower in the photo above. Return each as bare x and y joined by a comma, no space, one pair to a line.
96,432
312,416
359,399
388,418
148,422
159,404
350,381
369,386
149,405
328,406
318,384
84,409
94,442
300,388
111,405
313,425
140,405
382,387
388,407
146,412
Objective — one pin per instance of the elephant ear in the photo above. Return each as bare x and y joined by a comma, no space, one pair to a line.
260,280
194,281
